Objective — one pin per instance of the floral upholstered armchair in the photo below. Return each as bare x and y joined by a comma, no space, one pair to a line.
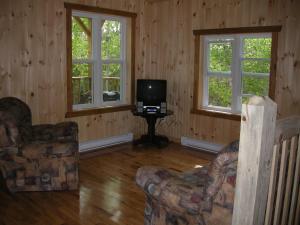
36,158
203,196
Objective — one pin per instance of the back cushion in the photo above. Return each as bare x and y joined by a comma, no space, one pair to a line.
20,111
225,195
223,166
4,138
9,133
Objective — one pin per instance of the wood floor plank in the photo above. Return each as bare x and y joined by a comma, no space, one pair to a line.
108,194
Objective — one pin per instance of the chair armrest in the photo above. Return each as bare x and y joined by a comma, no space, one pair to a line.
149,178
65,131
57,149
185,194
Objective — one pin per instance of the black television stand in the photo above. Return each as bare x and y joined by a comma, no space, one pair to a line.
150,139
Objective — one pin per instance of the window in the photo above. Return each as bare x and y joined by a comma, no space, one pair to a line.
237,67
230,68
100,60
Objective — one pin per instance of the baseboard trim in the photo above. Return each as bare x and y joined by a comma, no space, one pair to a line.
105,142
201,145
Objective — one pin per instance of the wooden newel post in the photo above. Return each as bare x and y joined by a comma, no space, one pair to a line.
255,153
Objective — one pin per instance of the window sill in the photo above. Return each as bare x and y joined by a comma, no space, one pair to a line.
88,112
217,114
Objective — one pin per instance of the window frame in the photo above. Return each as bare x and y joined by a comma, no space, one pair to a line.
100,106
200,106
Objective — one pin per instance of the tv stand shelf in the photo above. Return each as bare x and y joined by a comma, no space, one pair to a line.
151,139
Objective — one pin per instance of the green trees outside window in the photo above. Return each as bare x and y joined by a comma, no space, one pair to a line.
252,61
83,61
82,50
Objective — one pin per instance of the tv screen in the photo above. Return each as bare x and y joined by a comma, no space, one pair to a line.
151,92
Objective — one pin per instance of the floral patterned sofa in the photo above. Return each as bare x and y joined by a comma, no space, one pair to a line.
36,158
203,196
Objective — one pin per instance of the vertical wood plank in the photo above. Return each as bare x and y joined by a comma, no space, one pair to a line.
196,72
255,154
289,182
69,58
272,186
281,182
273,65
133,44
295,190
297,218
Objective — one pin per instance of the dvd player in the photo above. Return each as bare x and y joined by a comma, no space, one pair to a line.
151,109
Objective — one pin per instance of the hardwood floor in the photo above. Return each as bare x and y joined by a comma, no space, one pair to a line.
108,194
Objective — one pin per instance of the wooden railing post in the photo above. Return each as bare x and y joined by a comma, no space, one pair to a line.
255,154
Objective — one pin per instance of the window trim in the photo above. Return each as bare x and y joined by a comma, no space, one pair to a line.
198,108
108,12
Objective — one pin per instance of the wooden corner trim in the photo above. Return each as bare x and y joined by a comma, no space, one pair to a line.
99,10
69,58
238,30
133,44
273,66
196,71
217,114
88,112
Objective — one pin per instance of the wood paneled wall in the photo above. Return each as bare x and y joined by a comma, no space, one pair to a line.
167,52
33,61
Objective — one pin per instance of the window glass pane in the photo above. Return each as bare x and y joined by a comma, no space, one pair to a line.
255,85
82,83
256,66
111,39
220,91
81,37
111,82
220,57
257,47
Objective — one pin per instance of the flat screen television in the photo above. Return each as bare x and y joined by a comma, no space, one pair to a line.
151,92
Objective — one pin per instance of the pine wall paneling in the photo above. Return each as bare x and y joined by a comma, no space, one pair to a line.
33,60
168,52
33,63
